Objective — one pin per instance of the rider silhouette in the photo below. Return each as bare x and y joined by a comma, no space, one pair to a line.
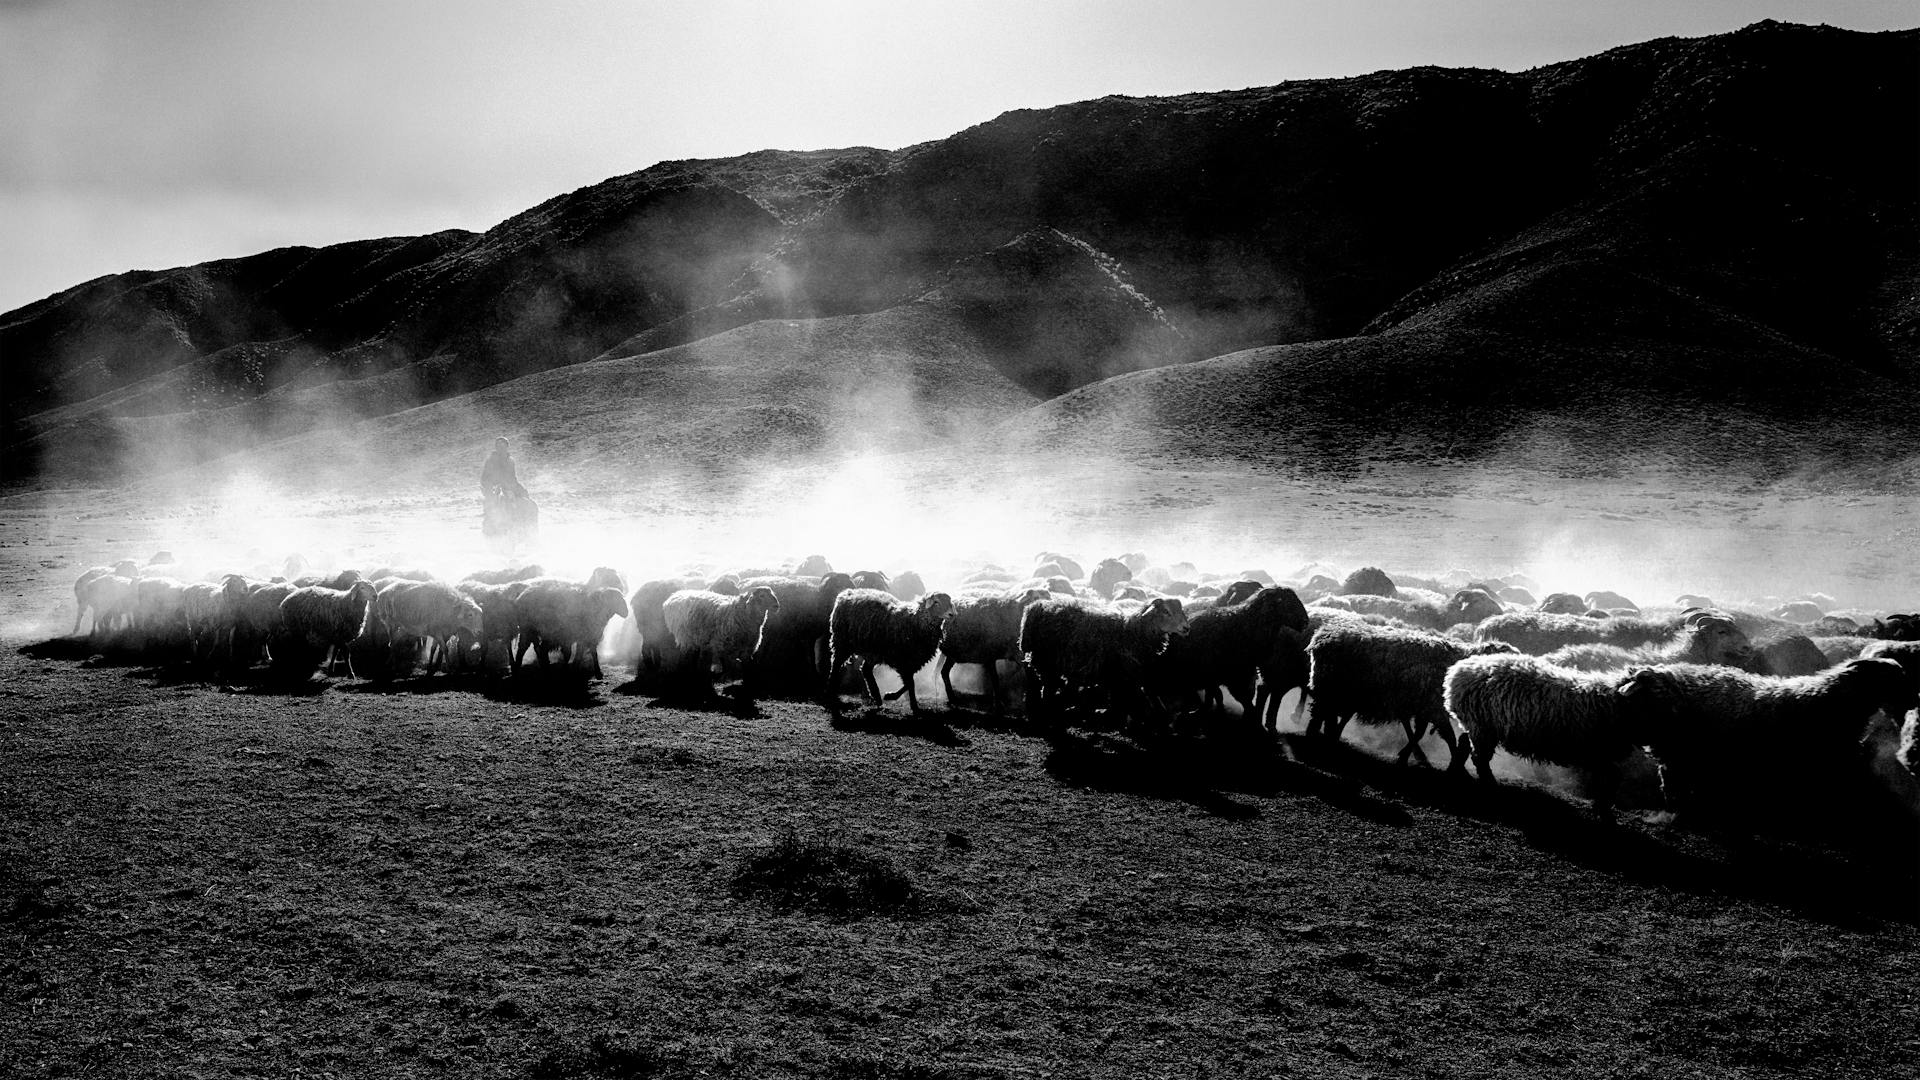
496,476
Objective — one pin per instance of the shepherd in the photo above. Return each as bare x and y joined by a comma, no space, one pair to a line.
509,516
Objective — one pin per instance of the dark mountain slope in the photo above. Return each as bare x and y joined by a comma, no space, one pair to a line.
1676,205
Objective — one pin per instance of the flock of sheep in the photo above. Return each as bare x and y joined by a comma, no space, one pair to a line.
1726,702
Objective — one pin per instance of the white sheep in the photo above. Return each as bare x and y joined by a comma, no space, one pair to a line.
212,611
84,598
712,629
1705,639
1540,632
320,623
879,628
1541,712
429,612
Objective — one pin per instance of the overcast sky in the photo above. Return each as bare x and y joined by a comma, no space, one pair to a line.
150,134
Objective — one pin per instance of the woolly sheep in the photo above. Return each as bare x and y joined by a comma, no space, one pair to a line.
1840,648
1385,675
1707,639
159,613
1226,646
1601,598
711,630
1562,604
567,615
342,580
907,585
1727,739
792,652
1106,576
985,630
1582,720
1368,581
326,621
212,612
1067,566
499,617
1069,645
1538,633
111,597
1235,593
658,652
507,577
83,592
879,629
871,579
432,612
1466,606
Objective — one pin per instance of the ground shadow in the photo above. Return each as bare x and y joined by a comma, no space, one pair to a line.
1817,881
62,648
692,696
881,721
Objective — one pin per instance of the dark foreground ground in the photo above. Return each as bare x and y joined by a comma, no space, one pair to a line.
429,879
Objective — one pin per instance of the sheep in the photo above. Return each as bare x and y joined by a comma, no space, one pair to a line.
985,630
1604,600
711,630
1225,646
1909,752
1110,573
814,566
1236,592
567,615
83,593
879,629
1287,668
1562,604
499,618
314,617
1465,606
212,612
1840,648
871,579
392,572
1542,712
793,644
1787,653
507,577
1707,639
1538,632
159,613
1071,644
1385,675
1068,566
658,652
432,611
907,585
1368,581
1728,740
341,581
111,596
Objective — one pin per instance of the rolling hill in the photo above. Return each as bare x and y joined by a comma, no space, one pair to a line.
1702,253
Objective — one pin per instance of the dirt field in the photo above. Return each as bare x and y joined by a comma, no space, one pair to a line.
450,878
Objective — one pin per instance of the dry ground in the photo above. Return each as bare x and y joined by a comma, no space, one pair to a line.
449,879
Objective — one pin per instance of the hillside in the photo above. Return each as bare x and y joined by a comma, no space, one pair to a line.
1605,253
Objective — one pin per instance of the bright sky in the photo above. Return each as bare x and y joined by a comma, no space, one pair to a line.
148,134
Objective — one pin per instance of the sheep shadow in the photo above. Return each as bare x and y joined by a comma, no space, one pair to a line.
979,718
63,648
693,697
1178,772
420,685
567,690
1815,882
877,720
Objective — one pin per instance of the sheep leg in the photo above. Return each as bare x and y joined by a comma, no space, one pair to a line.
1414,731
946,675
873,688
913,703
1483,758
1264,706
1603,782
993,687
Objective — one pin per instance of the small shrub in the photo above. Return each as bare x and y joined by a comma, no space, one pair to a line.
817,874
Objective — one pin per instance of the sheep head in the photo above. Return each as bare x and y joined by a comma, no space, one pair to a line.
1492,648
934,609
833,584
233,587
605,577
1722,642
361,592
608,603
1164,617
1881,681
871,579
1032,596
761,601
